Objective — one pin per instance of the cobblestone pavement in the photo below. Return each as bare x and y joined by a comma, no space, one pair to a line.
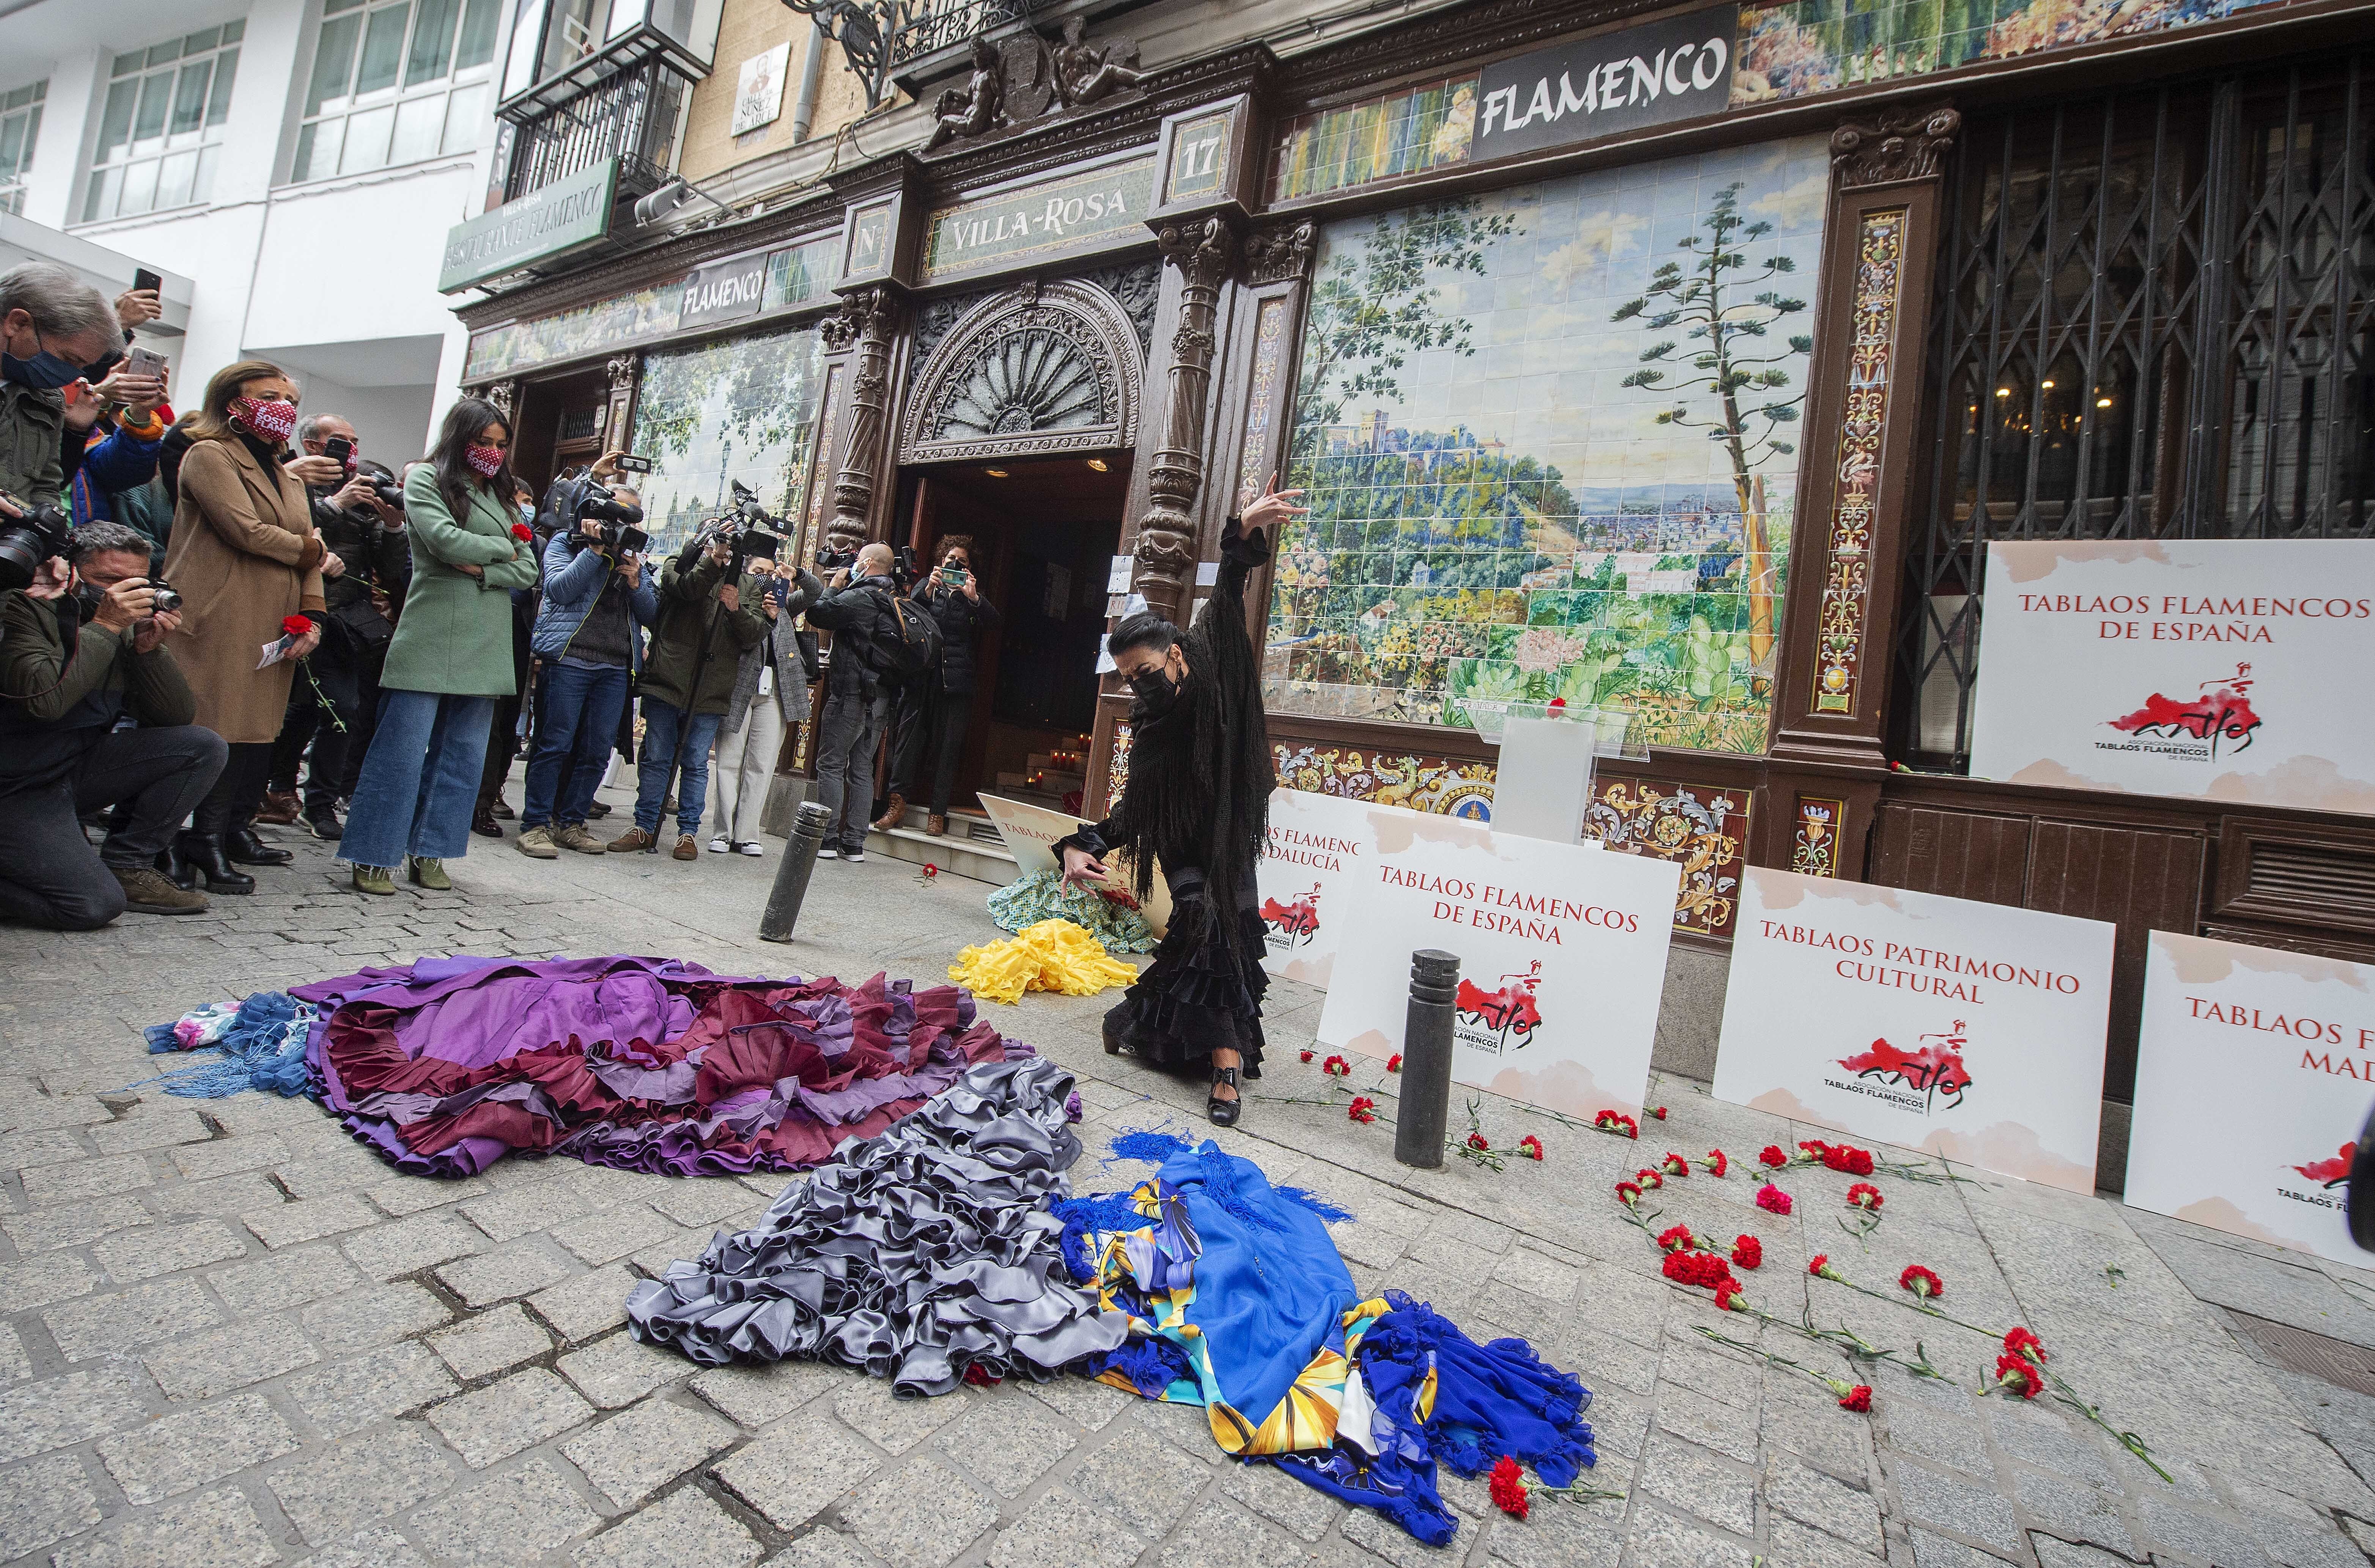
233,1336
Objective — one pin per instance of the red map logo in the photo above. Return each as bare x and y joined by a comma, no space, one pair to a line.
1291,924
1493,1016
2222,713
1936,1068
2330,1172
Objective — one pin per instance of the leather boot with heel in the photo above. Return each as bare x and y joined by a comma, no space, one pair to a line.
241,845
203,854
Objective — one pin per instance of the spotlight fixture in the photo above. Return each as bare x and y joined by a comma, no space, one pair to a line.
995,473
1098,464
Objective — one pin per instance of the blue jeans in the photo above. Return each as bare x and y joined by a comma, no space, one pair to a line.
419,782
581,719
661,724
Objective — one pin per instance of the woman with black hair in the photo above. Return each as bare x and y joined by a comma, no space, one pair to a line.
1198,799
449,660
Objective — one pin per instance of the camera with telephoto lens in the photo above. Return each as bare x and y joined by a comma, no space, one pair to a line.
26,541
750,531
616,519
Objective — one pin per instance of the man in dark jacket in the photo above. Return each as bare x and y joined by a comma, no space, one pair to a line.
934,708
857,609
365,537
705,623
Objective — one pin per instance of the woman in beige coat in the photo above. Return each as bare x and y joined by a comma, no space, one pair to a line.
245,556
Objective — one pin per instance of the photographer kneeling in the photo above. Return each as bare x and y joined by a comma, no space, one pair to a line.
79,649
596,597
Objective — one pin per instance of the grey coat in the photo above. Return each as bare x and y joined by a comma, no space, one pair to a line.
781,648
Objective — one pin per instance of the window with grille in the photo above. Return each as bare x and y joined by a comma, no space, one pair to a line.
20,124
2154,319
161,131
394,84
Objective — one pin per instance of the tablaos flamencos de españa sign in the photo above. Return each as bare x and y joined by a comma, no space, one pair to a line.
2254,1071
566,216
1973,1031
1675,69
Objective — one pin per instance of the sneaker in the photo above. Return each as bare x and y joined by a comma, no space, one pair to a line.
635,841
575,836
685,848
855,856
721,844
146,890
827,852
536,842
375,880
324,825
748,847
429,872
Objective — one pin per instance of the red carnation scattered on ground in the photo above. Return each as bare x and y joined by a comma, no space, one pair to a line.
1476,1142
1362,1109
1922,1281
1394,1063
1772,1199
1337,1067
1676,1237
1530,1147
1772,1155
1617,1121
1748,1251
1307,1055
1674,1164
1856,1399
1648,1178
1660,1113
1864,1195
1508,1488
1627,1192
1820,1268
295,626
1716,1163
2021,1342
1703,1270
2015,1374
1728,1297
1840,1157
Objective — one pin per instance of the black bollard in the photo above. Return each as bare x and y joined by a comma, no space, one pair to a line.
1426,1107
792,872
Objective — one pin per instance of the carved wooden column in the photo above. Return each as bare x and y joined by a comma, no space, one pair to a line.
618,417
1847,557
1165,551
868,320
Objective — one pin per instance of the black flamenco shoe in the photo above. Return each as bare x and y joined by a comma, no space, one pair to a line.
1113,1041
241,845
1218,1112
203,853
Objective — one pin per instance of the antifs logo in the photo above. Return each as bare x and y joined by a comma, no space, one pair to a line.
2221,715
1485,1019
1291,924
1934,1070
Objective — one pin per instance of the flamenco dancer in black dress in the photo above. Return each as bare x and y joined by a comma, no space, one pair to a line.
1200,776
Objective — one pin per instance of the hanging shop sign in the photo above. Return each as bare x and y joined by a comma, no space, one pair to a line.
1562,958
2179,667
1972,1031
564,216
2255,1069
724,291
1066,216
1594,88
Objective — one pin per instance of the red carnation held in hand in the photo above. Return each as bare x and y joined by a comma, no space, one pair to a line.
295,626
522,533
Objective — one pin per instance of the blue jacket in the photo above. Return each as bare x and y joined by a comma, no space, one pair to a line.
573,581
111,464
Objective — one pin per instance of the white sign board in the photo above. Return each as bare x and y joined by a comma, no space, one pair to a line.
2195,667
1321,853
1972,1031
1562,958
2255,1072
759,92
1030,833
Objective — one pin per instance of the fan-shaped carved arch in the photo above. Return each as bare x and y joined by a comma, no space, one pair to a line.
1040,369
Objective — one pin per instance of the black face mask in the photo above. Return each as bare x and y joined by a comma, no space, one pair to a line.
1156,692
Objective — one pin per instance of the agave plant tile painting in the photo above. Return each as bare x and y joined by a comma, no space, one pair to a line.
1549,441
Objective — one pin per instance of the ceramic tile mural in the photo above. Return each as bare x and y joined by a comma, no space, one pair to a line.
1703,830
1403,133
741,408
1421,784
1521,485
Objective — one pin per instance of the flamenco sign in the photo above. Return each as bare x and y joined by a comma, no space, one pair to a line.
2254,1071
1562,956
1973,1031
2195,667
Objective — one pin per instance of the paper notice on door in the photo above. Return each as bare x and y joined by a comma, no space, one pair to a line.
1117,579
1207,573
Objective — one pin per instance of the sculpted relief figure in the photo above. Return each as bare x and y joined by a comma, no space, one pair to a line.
1086,73
970,110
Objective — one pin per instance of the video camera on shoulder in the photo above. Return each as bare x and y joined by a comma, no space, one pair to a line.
750,532
26,541
616,519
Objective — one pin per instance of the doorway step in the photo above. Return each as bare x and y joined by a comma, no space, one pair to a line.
972,847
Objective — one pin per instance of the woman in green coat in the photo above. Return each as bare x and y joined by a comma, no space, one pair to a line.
450,659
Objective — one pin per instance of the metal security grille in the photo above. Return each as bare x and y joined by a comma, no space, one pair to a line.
634,115
2154,319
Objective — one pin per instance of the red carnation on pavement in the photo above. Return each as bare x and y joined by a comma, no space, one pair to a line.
1394,1063
1508,1488
1677,1237
1772,1199
1748,1251
1530,1147
1660,1113
1728,1297
1627,1193
2021,1342
1307,1055
2016,1374
1362,1109
1703,1270
1922,1281
1617,1121
1337,1067
1648,1178
1674,1164
1716,1163
1856,1399
295,626
1476,1142
1772,1155
1864,1196
1820,1268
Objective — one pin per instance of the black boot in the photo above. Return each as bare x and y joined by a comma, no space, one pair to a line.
175,869
203,854
241,845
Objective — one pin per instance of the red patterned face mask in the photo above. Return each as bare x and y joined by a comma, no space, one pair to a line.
484,461
273,421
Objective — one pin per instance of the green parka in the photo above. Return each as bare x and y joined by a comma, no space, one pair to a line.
454,635
689,606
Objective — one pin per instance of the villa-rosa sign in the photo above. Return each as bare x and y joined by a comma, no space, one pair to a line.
1974,1031
2212,667
566,216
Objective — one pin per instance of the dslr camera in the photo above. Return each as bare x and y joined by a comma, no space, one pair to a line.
169,598
26,541
617,519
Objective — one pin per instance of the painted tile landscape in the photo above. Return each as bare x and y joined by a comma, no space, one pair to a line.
743,408
1549,441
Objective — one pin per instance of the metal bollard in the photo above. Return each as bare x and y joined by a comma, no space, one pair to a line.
1426,1107
792,873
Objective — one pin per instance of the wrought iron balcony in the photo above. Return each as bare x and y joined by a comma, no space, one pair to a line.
633,113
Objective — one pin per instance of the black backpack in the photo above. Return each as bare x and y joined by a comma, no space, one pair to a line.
910,644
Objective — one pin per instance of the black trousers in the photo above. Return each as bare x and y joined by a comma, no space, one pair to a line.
365,722
503,745
49,875
928,730
238,788
326,709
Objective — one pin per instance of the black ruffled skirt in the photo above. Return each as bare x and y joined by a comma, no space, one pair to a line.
1197,997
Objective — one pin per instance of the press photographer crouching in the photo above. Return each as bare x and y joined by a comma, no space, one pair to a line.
596,595
82,648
